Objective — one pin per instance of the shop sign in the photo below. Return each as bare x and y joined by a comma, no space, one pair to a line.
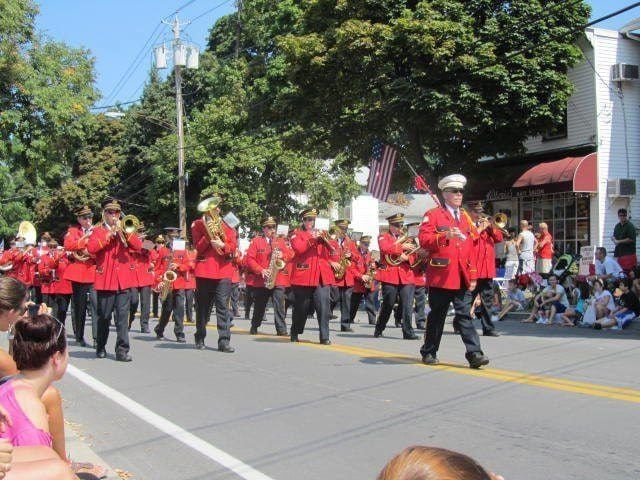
535,191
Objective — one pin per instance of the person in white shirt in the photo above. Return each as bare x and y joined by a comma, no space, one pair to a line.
526,245
607,268
552,300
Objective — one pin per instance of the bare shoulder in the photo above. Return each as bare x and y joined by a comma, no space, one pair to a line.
31,405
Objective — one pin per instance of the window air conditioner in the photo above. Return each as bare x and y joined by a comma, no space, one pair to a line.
621,187
622,72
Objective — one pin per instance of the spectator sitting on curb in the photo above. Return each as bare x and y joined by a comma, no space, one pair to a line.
634,275
515,301
628,308
574,313
607,268
431,463
552,300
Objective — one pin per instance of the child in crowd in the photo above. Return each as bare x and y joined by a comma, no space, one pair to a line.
515,301
634,275
628,308
574,313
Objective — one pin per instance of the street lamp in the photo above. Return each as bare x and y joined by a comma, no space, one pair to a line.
184,55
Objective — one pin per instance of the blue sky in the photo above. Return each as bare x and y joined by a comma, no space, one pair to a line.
116,30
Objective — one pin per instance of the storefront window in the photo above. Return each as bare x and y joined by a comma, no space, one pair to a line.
567,215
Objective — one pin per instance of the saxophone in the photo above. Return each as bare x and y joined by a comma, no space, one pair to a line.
275,265
341,271
168,278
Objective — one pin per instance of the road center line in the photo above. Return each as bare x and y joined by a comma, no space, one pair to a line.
196,443
508,376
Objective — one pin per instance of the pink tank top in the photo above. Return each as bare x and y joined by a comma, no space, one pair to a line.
22,433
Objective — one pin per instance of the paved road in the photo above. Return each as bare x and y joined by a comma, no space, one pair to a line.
557,403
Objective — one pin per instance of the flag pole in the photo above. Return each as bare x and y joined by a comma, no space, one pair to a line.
426,185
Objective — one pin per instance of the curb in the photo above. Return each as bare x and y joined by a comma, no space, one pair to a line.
78,450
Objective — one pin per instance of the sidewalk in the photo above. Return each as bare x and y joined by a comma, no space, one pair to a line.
79,450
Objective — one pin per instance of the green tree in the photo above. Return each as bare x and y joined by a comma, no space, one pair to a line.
449,81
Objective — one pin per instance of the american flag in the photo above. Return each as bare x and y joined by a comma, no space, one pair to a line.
383,159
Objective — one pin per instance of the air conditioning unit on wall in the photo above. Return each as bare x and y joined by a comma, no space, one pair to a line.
621,187
623,72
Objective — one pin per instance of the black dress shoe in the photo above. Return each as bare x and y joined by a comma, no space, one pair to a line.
159,335
491,333
294,337
398,324
282,334
430,359
377,334
101,354
82,343
144,330
325,342
200,346
420,326
411,336
477,359
346,329
253,331
372,323
181,340
124,358
226,348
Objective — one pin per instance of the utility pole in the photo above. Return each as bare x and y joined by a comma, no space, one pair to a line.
238,28
183,55
182,202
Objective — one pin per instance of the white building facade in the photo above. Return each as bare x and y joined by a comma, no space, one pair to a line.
568,178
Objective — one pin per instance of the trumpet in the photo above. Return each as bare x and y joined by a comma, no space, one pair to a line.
499,221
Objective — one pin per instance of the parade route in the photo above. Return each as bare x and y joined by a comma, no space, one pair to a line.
548,406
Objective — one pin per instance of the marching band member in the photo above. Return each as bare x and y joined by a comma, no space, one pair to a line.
161,252
10,260
261,261
311,277
23,266
395,280
190,284
115,275
81,273
419,267
447,234
485,259
348,259
46,268
364,285
145,279
35,256
214,269
61,289
182,265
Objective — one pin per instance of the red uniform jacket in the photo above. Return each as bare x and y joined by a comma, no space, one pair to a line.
14,257
38,274
360,267
189,277
115,266
23,267
145,267
451,263
210,262
347,245
186,264
61,286
257,259
484,252
310,265
80,272
420,273
400,275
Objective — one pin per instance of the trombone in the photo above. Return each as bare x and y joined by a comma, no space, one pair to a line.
499,220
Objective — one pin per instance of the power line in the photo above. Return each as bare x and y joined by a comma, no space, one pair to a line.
142,50
207,12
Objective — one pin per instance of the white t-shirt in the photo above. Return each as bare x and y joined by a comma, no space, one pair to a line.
559,291
609,267
606,293
526,245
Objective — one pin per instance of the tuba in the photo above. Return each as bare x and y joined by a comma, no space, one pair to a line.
211,218
27,231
